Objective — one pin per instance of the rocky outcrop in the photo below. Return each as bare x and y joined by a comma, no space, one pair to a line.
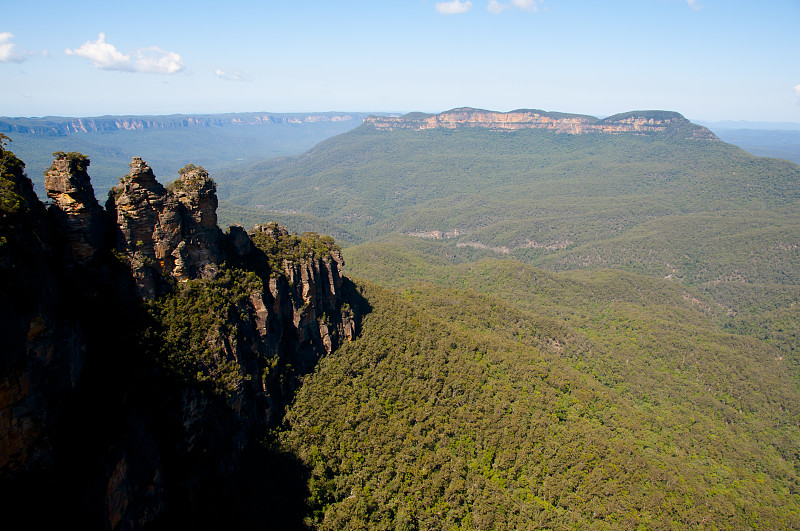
80,218
301,314
637,122
166,233
43,345
89,398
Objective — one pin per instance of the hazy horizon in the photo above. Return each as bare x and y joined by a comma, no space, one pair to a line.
719,124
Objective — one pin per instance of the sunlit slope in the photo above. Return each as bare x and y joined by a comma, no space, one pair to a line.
559,407
526,191
761,308
693,210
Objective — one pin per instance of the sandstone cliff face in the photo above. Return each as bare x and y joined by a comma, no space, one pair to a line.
113,430
298,316
43,346
166,233
643,122
80,218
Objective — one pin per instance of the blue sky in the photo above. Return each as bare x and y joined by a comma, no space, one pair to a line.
707,59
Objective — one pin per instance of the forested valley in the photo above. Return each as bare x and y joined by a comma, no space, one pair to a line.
500,329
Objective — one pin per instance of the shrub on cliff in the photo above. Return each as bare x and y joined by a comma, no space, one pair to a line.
12,200
195,328
77,161
11,169
280,246
191,178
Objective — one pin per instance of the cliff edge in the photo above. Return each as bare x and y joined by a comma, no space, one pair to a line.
634,122
145,350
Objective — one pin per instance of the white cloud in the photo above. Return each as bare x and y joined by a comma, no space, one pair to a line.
694,5
454,7
797,89
233,76
10,52
154,60
105,56
496,7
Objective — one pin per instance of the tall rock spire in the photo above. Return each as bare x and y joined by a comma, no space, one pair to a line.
83,221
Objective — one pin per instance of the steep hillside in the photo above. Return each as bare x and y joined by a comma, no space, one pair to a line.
146,354
574,323
647,191
527,191
614,404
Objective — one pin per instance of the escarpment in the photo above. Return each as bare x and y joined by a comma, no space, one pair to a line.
145,350
636,122
43,346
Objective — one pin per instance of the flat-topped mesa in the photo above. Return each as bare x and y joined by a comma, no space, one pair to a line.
82,219
635,122
166,232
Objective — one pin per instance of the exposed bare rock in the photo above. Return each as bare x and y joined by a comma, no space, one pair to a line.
134,484
239,243
43,346
166,233
301,315
81,218
196,192
636,122
85,401
51,125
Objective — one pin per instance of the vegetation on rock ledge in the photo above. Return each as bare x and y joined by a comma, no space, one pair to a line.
195,328
280,246
77,161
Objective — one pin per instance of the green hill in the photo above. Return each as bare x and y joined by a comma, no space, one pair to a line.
645,374
529,192
563,322
676,204
607,401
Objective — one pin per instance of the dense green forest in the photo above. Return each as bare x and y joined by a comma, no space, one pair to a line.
699,212
579,331
511,188
555,331
455,410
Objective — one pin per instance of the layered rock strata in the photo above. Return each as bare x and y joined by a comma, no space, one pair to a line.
85,414
80,218
166,233
637,122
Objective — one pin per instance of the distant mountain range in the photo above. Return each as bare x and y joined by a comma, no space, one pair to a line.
169,142
665,198
54,125
231,141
